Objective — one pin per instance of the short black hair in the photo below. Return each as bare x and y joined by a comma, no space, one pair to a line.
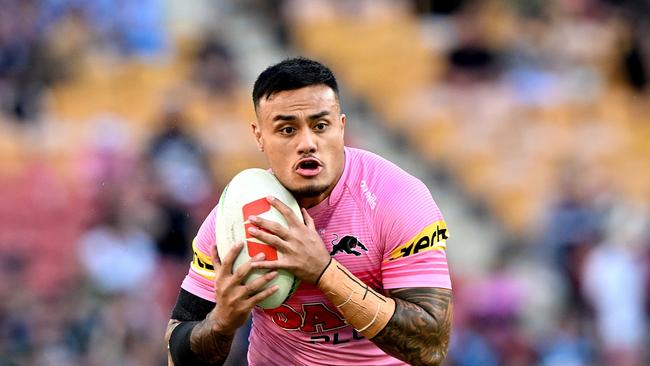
290,74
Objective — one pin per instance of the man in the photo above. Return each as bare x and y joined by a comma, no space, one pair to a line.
370,253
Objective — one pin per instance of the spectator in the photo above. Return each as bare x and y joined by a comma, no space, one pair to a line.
182,186
214,68
614,278
118,257
568,344
27,67
573,226
178,159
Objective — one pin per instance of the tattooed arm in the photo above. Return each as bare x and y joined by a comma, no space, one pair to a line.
200,332
411,324
419,329
212,347
206,339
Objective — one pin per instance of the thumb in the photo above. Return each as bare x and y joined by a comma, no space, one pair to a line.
216,262
308,220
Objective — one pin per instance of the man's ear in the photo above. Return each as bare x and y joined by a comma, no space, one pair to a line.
258,135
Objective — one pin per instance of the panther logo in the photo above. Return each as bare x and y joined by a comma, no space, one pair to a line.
347,244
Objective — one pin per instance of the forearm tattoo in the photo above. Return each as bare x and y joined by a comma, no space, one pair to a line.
418,332
211,347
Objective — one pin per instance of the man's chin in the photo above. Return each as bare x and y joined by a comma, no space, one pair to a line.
309,191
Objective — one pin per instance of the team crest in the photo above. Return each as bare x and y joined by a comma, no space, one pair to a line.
348,244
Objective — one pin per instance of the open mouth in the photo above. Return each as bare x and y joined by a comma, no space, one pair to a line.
309,167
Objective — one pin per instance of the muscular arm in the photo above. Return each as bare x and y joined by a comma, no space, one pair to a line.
212,346
200,332
419,330
205,339
411,324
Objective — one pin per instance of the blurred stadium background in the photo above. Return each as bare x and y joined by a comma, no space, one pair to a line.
120,122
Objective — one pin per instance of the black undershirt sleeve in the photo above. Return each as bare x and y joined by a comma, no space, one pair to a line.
190,307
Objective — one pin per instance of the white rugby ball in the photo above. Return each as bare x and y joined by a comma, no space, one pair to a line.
245,195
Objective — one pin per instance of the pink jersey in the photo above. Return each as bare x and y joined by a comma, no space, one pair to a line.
379,222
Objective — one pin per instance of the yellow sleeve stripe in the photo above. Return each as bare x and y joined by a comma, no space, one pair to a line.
201,263
432,237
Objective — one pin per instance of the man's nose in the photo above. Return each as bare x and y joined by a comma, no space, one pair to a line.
307,143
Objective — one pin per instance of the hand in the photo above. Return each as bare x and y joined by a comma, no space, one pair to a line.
303,251
234,299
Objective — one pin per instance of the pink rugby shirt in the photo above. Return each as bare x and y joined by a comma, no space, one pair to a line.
379,222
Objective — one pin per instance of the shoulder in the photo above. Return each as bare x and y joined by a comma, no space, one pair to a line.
379,181
205,238
400,207
377,172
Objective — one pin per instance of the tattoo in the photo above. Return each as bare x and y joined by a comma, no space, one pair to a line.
419,330
210,346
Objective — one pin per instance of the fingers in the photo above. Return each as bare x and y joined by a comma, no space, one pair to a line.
271,226
284,210
216,262
242,271
256,285
263,294
309,221
267,238
272,265
228,262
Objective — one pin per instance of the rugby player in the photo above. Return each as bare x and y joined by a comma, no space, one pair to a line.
370,251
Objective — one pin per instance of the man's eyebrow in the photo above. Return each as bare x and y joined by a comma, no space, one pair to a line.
289,117
284,117
318,115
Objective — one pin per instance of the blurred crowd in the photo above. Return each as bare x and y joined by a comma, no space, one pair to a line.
121,120
98,210
537,111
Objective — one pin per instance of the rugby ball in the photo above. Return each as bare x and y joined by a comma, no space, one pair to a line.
244,196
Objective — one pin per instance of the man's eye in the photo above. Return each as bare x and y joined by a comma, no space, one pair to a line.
321,126
287,130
